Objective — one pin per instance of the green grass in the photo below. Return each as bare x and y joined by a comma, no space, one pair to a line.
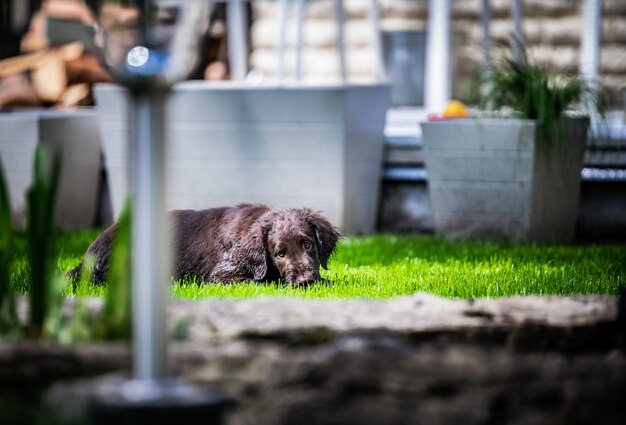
383,266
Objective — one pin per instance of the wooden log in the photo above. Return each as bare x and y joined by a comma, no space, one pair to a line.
19,64
32,42
29,61
71,51
76,95
17,90
50,79
68,10
36,37
86,69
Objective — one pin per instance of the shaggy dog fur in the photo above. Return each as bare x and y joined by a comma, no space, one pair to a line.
241,243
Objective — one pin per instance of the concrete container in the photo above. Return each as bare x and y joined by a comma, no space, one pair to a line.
491,178
318,147
72,133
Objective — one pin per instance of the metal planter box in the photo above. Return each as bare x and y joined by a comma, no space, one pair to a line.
318,147
72,133
491,178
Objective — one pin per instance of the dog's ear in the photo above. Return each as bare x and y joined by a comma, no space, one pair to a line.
326,235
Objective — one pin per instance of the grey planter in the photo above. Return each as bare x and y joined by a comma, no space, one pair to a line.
490,178
318,147
75,135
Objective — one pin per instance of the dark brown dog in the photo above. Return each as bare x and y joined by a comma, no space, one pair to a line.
245,242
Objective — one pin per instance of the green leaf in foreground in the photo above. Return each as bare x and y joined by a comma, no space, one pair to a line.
7,302
40,231
117,301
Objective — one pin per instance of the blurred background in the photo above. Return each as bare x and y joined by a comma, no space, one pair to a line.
314,43
552,33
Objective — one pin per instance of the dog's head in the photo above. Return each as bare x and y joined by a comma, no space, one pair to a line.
296,242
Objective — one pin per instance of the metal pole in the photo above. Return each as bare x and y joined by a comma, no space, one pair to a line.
300,15
282,29
438,74
517,44
151,394
485,18
341,47
237,39
150,238
374,15
590,41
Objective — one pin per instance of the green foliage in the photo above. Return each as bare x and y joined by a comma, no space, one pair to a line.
118,300
40,232
7,303
79,328
33,263
113,320
539,93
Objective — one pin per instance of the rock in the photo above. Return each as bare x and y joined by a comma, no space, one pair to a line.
276,318
414,359
383,379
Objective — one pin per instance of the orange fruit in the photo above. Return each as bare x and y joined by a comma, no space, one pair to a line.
454,108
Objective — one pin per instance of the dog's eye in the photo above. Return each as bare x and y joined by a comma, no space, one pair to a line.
307,245
280,254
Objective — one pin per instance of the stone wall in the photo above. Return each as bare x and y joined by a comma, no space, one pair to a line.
417,359
551,28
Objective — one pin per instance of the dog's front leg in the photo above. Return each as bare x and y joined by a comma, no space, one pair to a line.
226,272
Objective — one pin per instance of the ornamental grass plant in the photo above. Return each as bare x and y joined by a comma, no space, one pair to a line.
542,93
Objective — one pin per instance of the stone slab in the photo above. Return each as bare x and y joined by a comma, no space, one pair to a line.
414,360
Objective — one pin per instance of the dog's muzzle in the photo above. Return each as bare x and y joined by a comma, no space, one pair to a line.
304,279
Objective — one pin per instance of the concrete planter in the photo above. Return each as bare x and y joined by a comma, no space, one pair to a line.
319,147
75,135
490,178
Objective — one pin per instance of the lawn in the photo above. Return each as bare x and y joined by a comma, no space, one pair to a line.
383,266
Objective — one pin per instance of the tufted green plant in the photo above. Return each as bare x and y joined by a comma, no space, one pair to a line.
539,93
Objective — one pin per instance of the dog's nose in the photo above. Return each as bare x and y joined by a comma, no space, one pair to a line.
304,280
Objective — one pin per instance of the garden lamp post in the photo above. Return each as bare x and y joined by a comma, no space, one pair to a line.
147,46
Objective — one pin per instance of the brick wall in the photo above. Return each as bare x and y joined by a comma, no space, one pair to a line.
552,30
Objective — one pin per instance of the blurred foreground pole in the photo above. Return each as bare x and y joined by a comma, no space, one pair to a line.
438,63
149,46
150,237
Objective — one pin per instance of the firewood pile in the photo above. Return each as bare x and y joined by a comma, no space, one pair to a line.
46,75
